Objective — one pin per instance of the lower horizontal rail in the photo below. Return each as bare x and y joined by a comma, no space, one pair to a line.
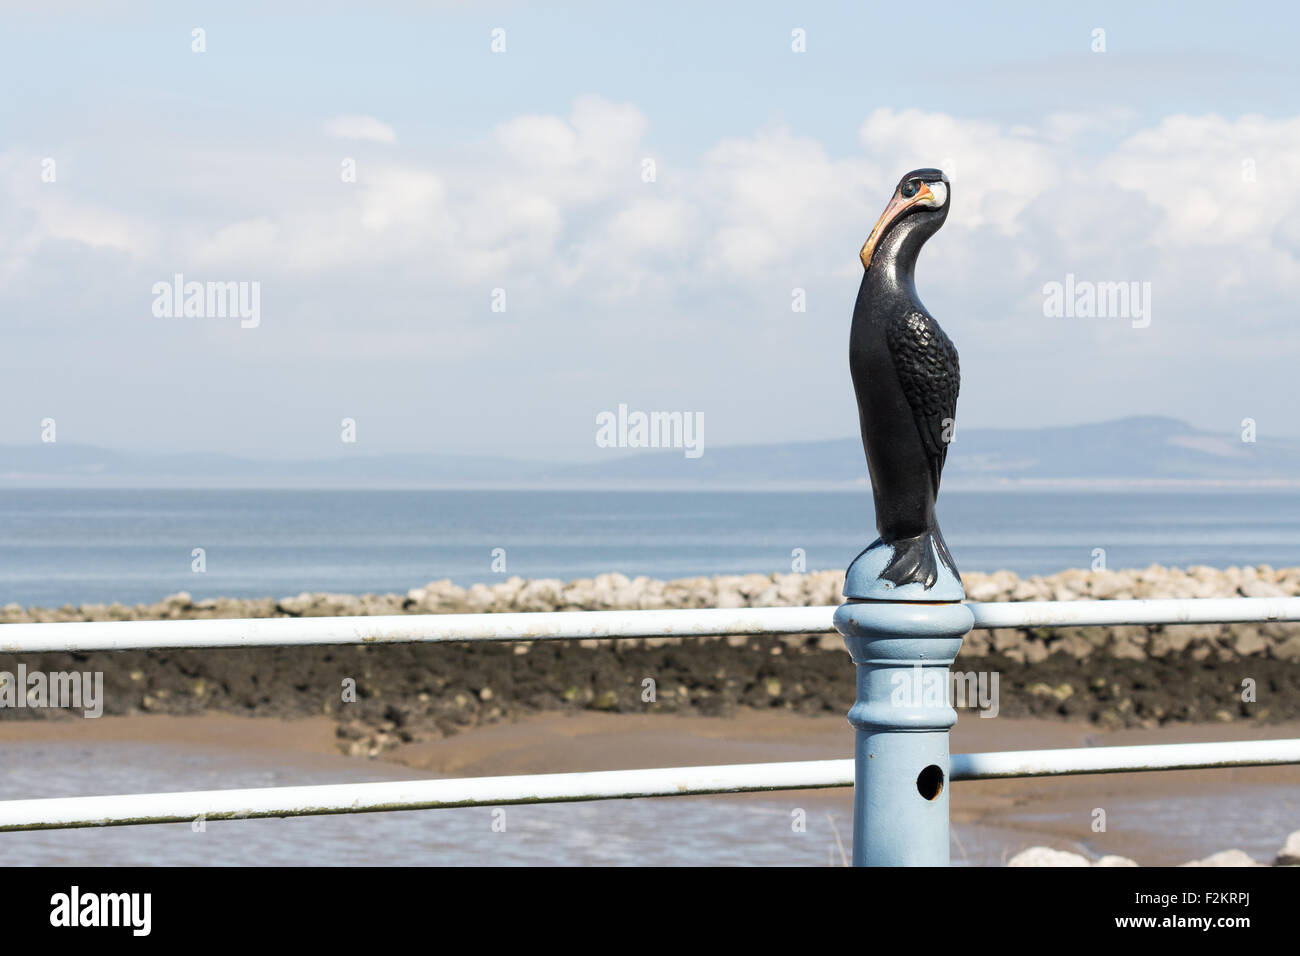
61,812
128,809
1081,760
85,636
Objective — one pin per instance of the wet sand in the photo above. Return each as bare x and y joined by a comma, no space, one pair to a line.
1149,818
302,737
1057,812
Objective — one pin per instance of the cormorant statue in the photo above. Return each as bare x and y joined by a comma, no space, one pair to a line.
905,376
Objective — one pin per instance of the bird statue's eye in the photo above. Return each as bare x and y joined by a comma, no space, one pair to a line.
908,190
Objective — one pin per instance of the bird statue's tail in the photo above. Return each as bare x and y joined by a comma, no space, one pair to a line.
918,568
916,560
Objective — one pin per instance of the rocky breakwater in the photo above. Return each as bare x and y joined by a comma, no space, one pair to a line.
1118,676
616,591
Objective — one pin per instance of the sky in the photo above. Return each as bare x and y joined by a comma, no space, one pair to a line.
468,250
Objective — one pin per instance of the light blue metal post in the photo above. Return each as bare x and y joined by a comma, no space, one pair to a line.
901,719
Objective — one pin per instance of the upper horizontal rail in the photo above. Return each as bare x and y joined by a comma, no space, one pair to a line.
572,625
126,809
408,628
1150,611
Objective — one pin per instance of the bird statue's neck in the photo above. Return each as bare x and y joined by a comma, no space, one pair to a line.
893,266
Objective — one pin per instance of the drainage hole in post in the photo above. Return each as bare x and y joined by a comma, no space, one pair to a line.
929,782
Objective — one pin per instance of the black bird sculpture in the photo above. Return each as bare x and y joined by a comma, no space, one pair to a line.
905,376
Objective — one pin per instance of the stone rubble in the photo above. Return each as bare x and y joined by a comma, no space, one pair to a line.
1289,855
613,591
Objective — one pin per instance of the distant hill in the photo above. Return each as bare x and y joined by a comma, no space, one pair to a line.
87,465
1137,448
1140,450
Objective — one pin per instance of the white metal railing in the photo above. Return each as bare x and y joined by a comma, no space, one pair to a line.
63,812
129,809
84,636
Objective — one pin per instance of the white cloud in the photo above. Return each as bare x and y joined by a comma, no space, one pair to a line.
241,242
678,277
652,225
392,195
773,197
360,127
996,171
1198,170
561,200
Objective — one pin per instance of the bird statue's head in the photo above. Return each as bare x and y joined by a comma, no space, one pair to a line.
921,196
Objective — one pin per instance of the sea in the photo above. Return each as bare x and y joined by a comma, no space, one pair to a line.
76,546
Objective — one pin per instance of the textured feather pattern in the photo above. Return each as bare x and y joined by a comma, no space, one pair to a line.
926,363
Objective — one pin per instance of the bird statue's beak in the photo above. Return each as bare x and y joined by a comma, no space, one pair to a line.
897,206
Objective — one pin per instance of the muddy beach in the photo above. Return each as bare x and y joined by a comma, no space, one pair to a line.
1166,818
414,693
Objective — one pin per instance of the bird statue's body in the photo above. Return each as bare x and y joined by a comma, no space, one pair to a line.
905,376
